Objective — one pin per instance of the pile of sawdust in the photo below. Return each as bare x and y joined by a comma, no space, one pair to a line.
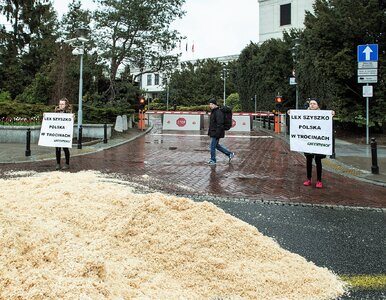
81,236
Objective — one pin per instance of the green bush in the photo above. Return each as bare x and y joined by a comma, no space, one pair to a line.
101,115
156,106
5,96
16,109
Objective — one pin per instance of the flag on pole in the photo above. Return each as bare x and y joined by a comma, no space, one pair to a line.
193,47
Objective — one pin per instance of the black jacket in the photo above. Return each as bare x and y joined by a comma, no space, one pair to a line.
216,124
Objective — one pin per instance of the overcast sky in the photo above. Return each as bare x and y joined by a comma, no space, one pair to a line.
217,27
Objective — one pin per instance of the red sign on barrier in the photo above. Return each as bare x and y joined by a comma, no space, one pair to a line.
181,122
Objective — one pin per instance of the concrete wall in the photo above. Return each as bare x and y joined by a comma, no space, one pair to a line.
93,130
18,134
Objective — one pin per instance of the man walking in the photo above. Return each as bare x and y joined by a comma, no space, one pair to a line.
216,132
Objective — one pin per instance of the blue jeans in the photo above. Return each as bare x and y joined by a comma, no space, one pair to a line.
214,144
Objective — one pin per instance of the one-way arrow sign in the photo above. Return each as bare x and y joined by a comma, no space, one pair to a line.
368,52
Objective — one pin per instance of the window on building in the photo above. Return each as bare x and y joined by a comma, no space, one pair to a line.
149,81
156,79
285,14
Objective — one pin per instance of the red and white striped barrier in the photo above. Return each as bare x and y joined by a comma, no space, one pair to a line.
258,114
165,112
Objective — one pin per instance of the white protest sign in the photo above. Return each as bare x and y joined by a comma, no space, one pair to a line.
311,131
57,130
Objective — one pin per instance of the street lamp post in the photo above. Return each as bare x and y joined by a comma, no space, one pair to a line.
167,92
225,76
294,51
80,108
78,44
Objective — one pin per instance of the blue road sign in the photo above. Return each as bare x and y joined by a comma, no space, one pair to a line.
368,52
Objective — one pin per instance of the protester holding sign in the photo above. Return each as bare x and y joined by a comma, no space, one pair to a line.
63,107
314,105
312,131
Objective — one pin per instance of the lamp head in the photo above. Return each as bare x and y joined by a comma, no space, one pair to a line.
78,51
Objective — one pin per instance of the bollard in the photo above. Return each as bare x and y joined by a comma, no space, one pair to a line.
80,137
276,123
374,158
287,124
28,146
333,143
264,122
333,140
105,134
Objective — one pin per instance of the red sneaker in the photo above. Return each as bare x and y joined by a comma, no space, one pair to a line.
319,185
307,182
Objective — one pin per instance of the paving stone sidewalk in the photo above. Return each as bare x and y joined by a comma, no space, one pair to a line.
263,170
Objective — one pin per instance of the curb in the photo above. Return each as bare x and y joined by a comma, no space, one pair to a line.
87,151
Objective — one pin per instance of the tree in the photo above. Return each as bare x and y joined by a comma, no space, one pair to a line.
196,83
328,62
233,101
28,45
65,70
137,33
264,71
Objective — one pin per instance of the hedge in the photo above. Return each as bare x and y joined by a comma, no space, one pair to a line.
91,115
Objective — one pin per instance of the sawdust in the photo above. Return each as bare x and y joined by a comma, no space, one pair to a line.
80,236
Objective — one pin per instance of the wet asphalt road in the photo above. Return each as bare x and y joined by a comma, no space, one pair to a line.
346,241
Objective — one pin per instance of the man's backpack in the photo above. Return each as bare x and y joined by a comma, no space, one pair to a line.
227,112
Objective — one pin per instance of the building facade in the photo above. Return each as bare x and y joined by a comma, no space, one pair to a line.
275,16
155,83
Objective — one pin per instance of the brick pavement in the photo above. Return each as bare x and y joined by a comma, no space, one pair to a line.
263,169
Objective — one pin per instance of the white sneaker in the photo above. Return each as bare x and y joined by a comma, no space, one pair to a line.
231,156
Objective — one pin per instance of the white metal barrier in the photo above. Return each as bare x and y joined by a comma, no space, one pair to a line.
194,120
241,123
182,121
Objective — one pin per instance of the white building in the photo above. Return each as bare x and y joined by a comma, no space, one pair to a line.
275,16
154,83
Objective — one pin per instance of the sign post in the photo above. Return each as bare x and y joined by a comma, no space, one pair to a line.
367,73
